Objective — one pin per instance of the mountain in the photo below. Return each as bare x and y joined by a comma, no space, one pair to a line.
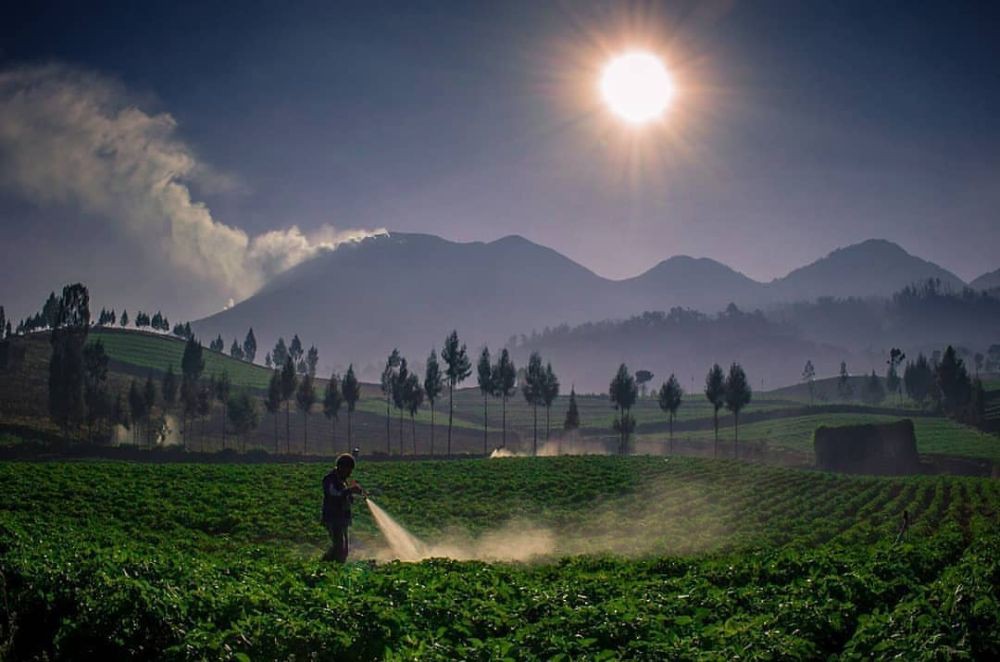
409,290
872,268
698,283
990,281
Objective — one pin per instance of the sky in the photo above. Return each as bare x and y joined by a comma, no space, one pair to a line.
177,155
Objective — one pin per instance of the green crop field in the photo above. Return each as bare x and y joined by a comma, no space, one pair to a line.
934,434
637,558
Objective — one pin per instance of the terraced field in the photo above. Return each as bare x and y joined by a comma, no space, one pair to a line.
639,558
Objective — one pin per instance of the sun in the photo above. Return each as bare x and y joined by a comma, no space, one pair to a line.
637,87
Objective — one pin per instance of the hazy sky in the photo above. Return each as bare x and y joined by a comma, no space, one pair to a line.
165,153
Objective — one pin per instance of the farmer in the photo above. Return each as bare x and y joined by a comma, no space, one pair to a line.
338,494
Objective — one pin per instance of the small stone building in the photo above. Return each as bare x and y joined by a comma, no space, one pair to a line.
883,448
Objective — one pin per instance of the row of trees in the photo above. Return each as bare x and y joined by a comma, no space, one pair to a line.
731,391
303,362
247,351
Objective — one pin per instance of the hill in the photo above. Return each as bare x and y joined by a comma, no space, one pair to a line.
989,281
408,290
873,268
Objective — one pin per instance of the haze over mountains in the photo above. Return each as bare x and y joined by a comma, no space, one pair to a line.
408,290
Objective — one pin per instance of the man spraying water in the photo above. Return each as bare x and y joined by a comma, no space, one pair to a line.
338,495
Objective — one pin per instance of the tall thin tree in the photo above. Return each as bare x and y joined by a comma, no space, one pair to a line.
504,383
624,392
670,397
351,390
433,385
386,384
289,380
273,402
550,391
305,398
458,367
715,393
738,395
332,400
484,370
532,389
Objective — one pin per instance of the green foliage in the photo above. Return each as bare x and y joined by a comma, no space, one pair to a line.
721,560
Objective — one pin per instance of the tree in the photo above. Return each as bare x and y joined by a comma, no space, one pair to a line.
386,384
204,408
953,382
223,387
217,345
70,323
192,366
399,395
643,377
288,383
279,354
532,388
979,358
351,389
124,319
669,399
844,388
484,375
413,397
572,421
550,391
137,408
157,322
268,363
149,395
305,398
179,330
295,351
236,351
809,377
715,393
169,387
250,346
273,402
738,395
458,367
624,393
332,400
3,323
241,411
892,380
504,383
918,378
433,385
96,396
50,311
312,360
873,393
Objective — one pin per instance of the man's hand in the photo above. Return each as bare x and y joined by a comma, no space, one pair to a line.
356,489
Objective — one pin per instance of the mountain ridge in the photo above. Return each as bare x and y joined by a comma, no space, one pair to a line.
408,290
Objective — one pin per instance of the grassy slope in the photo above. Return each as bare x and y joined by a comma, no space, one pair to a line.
159,352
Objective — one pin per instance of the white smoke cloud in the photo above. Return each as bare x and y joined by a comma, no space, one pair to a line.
75,137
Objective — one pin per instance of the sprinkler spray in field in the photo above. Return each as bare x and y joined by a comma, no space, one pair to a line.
405,546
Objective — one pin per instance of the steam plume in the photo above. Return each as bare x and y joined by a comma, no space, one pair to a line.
74,137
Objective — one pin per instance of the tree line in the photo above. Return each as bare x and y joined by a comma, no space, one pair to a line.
731,391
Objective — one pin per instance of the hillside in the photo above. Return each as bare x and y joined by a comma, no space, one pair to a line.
988,281
408,290
873,268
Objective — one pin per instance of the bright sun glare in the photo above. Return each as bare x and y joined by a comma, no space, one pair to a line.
637,87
